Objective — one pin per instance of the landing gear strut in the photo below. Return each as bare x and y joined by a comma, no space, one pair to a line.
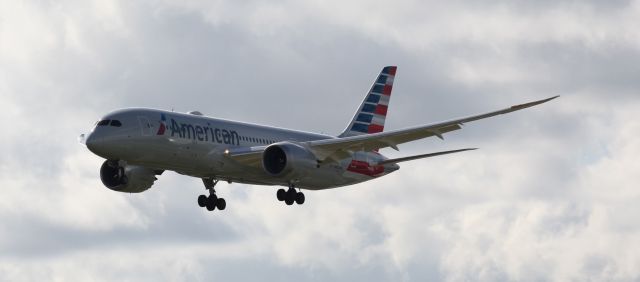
291,195
212,201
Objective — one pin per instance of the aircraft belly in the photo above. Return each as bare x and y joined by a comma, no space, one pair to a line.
204,160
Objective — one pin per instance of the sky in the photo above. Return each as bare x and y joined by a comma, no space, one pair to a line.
551,194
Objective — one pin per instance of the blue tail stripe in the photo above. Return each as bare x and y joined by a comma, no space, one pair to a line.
360,127
382,79
368,108
377,88
373,98
364,118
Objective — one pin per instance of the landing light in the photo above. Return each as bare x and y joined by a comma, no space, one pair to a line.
82,138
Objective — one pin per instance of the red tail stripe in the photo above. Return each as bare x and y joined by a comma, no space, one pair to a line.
381,110
374,128
386,90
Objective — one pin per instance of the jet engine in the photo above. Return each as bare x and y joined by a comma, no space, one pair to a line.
287,159
130,178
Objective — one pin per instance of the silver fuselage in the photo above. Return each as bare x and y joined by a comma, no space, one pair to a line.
195,145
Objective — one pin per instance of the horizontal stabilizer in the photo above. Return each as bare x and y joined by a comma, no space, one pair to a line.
393,161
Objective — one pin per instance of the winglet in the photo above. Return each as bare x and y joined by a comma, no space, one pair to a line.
531,104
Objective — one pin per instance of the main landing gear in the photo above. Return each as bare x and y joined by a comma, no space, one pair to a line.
212,202
290,196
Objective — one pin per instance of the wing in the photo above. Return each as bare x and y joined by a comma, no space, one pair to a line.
335,149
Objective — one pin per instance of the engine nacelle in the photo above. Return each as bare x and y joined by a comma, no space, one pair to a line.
287,159
130,178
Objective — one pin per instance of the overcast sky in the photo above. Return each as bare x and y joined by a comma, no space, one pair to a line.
552,194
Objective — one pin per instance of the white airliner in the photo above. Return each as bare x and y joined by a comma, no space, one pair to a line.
139,144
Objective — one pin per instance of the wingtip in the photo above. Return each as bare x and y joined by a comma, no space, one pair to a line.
549,99
534,103
544,100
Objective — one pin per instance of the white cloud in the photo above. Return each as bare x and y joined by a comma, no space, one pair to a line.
549,196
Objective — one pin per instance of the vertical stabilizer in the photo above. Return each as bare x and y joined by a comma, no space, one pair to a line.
370,116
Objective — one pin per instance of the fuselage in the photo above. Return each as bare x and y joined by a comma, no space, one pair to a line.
195,145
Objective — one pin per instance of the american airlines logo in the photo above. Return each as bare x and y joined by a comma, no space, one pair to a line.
163,125
197,132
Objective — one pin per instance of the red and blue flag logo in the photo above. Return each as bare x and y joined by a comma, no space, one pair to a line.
163,125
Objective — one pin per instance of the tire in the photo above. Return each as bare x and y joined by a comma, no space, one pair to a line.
281,194
211,205
299,198
221,204
290,196
288,201
202,201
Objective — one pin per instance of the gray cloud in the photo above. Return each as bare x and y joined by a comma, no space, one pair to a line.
550,195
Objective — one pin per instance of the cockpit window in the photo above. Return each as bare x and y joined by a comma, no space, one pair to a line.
116,123
103,122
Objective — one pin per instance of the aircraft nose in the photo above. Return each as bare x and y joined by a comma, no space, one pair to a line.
94,143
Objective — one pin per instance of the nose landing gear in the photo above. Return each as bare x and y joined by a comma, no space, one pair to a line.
212,201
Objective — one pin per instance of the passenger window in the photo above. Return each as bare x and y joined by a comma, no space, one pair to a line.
103,122
116,123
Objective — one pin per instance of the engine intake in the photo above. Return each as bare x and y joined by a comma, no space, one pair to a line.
130,178
287,159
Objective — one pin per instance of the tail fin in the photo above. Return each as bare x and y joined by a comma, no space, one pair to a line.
372,112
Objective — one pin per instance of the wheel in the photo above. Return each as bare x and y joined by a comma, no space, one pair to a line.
211,205
289,201
299,198
221,204
202,201
290,196
212,200
125,179
281,194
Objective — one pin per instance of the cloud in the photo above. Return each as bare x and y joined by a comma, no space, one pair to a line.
549,196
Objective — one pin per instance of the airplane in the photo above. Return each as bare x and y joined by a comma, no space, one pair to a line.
141,143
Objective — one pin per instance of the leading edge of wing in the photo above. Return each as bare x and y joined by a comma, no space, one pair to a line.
329,148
